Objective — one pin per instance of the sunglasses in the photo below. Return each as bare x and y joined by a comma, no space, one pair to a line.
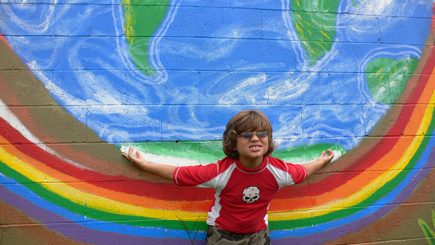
248,135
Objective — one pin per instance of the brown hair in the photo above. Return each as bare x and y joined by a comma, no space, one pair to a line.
248,120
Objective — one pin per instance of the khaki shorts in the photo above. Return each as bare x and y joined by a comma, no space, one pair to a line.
218,236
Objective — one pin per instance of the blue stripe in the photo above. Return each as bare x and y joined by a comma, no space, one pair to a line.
386,200
36,200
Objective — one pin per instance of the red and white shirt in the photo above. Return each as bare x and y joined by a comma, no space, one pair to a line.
242,195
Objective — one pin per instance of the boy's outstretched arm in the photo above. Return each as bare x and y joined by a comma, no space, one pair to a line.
316,165
161,170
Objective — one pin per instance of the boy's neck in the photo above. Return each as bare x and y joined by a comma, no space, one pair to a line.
251,163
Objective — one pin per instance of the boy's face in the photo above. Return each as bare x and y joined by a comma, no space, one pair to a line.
252,148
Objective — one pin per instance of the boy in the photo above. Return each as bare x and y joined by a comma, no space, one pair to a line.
245,181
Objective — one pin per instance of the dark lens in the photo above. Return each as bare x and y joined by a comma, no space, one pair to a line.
247,135
261,134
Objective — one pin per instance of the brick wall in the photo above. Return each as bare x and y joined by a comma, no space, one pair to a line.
82,80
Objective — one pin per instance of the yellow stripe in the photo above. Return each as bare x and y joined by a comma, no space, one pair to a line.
108,205
87,199
373,186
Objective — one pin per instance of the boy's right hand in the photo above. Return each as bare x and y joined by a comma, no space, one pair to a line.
135,157
162,170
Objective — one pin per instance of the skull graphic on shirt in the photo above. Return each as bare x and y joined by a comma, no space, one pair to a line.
251,194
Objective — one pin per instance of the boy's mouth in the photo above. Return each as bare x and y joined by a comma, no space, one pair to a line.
255,147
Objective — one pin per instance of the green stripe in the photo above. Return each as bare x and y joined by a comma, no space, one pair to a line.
92,213
39,190
385,189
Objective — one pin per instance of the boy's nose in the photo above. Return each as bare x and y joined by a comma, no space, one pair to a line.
254,137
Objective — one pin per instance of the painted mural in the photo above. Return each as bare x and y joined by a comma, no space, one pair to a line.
82,80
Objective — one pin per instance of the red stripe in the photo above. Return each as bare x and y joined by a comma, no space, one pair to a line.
165,191
173,192
377,152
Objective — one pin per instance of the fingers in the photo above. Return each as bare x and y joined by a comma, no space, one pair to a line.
330,154
138,155
322,154
130,155
134,154
327,156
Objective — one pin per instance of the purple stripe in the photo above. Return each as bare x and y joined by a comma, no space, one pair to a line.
334,234
74,230
82,234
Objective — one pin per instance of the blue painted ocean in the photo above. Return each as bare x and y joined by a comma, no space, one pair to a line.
212,62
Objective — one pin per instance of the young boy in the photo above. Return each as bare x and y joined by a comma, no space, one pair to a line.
245,181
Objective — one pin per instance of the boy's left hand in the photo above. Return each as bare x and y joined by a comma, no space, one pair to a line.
321,161
326,158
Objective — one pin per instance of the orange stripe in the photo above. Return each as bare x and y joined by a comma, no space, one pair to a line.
278,204
371,173
141,201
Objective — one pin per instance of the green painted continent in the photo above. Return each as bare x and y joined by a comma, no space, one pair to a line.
314,22
387,77
141,20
